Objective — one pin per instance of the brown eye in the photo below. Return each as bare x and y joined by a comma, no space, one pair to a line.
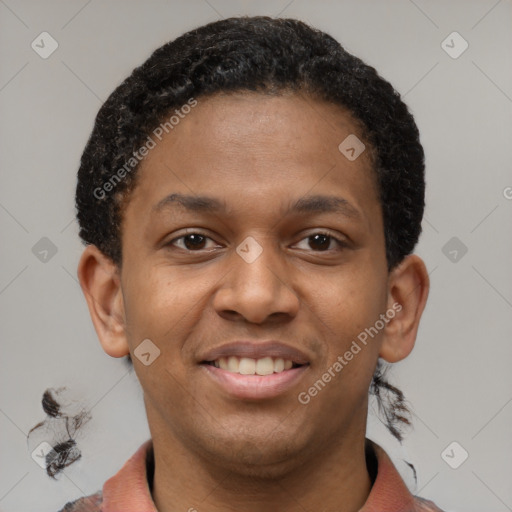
193,242
321,242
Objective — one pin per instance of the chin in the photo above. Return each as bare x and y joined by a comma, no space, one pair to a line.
260,456
264,465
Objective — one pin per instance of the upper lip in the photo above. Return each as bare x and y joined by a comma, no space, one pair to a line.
256,350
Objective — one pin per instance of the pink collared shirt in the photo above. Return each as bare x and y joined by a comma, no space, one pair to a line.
128,490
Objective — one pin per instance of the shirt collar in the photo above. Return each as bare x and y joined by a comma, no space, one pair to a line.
130,487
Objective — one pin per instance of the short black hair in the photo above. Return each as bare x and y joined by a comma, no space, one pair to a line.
260,54
268,56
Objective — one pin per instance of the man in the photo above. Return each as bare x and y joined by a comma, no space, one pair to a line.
250,198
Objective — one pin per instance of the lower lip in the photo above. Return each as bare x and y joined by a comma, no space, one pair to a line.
255,387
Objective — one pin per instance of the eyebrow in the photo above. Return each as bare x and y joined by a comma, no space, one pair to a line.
309,204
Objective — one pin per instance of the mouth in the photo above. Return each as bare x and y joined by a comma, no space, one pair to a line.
248,366
255,371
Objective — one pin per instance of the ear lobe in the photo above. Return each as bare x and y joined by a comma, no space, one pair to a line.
100,282
408,289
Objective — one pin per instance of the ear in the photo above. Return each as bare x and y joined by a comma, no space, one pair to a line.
101,285
408,287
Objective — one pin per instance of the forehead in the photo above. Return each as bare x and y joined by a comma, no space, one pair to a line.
269,149
291,124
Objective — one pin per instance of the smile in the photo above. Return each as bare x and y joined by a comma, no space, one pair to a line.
249,366
248,370
254,387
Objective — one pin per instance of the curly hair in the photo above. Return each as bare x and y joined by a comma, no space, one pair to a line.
264,55
268,56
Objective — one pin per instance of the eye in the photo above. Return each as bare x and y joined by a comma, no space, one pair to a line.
322,242
192,241
319,242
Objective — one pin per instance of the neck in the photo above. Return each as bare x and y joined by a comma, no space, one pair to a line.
336,477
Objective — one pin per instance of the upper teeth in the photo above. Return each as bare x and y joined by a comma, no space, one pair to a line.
248,366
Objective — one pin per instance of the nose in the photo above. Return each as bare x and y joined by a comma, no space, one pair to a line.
256,290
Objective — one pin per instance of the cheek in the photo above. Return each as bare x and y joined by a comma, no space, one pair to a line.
349,301
346,307
163,307
338,386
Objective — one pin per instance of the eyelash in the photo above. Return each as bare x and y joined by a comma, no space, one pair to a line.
341,244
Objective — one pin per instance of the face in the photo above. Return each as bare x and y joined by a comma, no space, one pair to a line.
313,276
251,244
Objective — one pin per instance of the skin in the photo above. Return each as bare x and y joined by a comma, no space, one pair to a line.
258,154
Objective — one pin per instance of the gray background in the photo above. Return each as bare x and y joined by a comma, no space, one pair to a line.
457,379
